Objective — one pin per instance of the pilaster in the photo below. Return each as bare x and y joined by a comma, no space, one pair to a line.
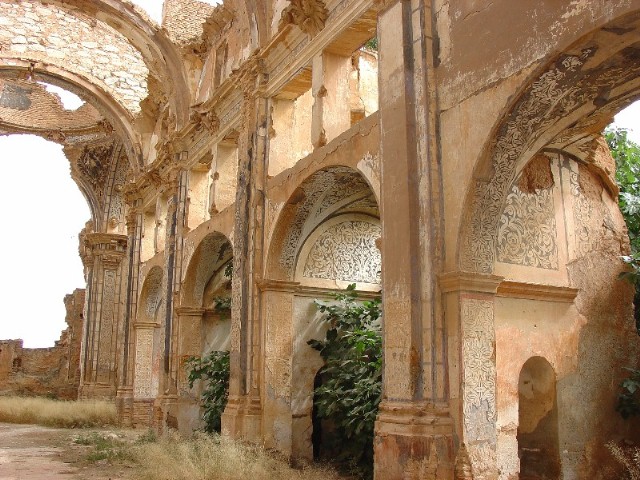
242,416
414,429
469,305
104,332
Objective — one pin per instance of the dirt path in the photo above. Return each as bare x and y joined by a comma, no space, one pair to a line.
31,452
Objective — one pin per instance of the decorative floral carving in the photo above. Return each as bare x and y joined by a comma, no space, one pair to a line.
570,83
527,231
144,363
323,194
346,251
308,15
479,372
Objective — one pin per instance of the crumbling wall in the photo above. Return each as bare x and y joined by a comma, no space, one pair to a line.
54,371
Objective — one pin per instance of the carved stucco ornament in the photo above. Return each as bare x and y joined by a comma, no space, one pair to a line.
205,120
308,15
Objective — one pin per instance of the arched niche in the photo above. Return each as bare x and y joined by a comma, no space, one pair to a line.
324,194
538,440
207,291
147,337
564,106
324,240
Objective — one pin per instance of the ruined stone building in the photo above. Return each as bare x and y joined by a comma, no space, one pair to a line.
457,163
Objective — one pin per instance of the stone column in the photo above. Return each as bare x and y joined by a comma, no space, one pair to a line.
189,344
124,396
330,87
469,300
242,417
414,430
104,332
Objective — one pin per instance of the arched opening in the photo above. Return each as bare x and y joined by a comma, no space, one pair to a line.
542,210
538,440
204,319
325,239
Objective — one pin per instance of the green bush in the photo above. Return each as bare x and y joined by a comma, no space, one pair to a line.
351,386
213,370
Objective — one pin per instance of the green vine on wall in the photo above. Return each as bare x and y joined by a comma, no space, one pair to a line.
213,370
351,386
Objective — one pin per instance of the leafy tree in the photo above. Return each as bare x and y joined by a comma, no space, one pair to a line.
214,371
627,156
351,386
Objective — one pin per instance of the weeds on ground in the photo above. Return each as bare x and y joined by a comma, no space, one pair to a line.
107,446
205,457
57,413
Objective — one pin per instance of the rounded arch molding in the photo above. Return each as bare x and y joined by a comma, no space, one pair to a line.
562,106
210,255
160,56
119,117
324,194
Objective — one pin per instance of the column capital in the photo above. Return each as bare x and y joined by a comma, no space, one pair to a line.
111,247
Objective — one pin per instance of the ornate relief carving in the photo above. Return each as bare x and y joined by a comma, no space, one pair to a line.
570,83
116,208
479,372
205,120
346,251
144,364
106,321
94,163
527,230
323,194
308,15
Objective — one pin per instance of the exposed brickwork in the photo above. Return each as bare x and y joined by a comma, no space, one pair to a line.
28,104
46,371
183,20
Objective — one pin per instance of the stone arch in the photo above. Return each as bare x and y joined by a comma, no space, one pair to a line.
323,195
205,265
117,116
538,438
564,105
324,239
151,296
157,53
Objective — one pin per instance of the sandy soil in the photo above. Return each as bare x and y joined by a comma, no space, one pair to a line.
30,452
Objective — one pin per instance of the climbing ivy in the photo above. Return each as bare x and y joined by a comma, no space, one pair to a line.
214,371
351,386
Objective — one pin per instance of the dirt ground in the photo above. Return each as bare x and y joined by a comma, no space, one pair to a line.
30,452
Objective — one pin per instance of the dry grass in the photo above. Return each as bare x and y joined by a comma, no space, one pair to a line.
213,457
57,413
628,457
